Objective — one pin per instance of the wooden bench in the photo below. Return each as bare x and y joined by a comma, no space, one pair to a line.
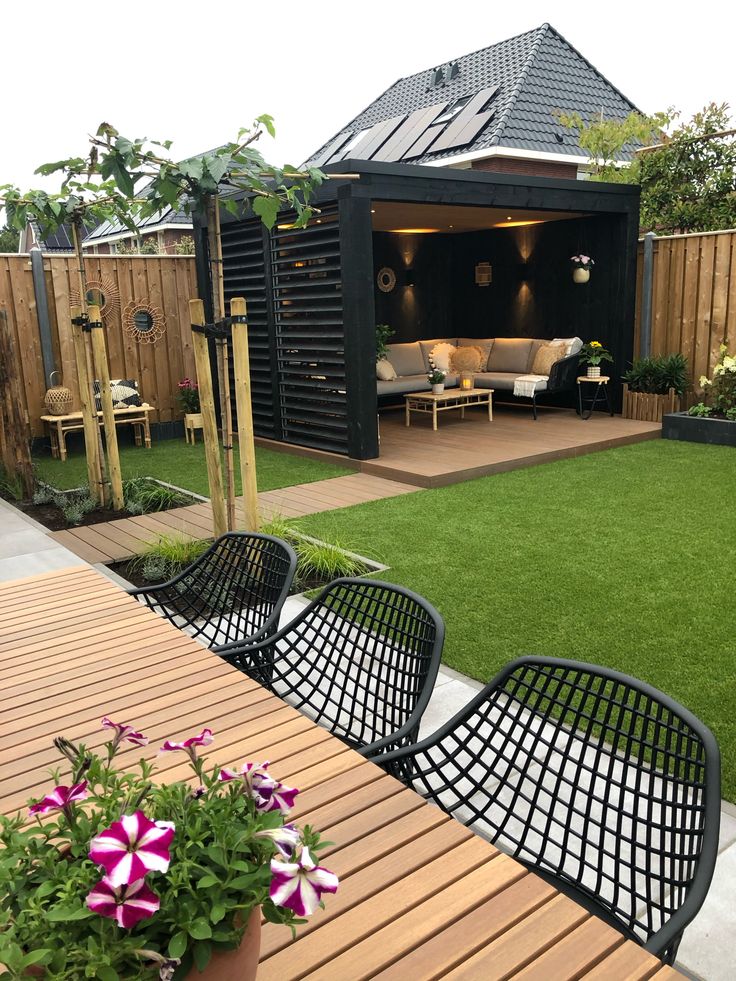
133,415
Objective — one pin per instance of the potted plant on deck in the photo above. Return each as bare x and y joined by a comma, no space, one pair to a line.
436,378
581,266
592,354
713,420
188,397
653,386
119,878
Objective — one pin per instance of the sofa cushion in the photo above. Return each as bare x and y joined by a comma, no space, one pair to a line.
468,359
501,381
385,370
546,356
510,354
574,344
406,358
484,343
427,346
441,354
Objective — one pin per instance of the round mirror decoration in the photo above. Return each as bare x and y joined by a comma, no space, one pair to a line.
144,322
386,279
102,291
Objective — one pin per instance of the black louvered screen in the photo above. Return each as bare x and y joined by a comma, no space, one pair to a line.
308,321
245,275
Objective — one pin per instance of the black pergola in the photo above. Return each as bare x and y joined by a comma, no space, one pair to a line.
313,302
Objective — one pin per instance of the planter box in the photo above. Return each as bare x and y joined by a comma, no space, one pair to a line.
646,407
717,432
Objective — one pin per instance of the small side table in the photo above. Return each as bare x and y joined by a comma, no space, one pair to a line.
586,407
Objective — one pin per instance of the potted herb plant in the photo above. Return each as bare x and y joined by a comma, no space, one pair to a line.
581,266
436,378
713,419
117,877
653,386
592,354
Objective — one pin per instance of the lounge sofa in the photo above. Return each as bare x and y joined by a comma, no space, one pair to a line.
508,359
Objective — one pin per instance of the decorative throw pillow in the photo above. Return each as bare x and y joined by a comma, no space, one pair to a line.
385,370
440,356
124,393
466,359
484,343
572,344
546,356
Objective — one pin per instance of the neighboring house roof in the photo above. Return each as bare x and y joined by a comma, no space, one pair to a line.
58,241
501,96
110,231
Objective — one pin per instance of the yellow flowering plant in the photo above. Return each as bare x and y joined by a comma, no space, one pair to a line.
593,353
719,391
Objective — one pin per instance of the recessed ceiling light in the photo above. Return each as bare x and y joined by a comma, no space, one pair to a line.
516,224
373,211
509,218
414,231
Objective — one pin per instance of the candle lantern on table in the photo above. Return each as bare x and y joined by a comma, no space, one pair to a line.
466,381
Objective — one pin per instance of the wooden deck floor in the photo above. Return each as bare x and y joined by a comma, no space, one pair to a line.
474,447
115,541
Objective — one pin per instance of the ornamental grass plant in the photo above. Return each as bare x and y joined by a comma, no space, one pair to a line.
113,876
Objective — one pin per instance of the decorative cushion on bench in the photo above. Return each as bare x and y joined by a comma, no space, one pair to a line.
427,346
385,371
484,343
441,355
124,393
468,359
546,356
574,344
511,354
406,358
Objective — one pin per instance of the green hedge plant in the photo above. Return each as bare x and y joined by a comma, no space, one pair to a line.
658,374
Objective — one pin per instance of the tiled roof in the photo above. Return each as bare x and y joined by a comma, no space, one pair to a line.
167,217
527,78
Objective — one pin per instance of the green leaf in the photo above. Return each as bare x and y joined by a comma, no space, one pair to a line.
107,973
193,168
64,914
200,929
202,954
267,122
217,913
242,881
207,881
178,944
267,209
217,167
45,889
35,957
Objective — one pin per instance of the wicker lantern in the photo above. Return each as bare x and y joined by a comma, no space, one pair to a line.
58,400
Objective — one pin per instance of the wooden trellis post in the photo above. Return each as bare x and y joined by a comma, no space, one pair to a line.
15,430
102,371
241,364
209,420
89,414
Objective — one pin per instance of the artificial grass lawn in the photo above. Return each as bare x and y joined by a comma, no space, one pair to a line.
624,558
181,464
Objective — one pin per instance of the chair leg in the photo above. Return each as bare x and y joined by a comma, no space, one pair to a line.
534,407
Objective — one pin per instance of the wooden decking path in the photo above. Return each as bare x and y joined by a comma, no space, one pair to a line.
115,541
420,896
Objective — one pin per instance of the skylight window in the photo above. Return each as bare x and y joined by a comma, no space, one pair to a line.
453,110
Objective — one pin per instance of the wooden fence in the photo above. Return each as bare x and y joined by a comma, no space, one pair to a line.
165,283
693,297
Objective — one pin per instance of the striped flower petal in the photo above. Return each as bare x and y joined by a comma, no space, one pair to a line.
285,838
132,847
60,798
126,904
274,796
203,739
124,732
298,886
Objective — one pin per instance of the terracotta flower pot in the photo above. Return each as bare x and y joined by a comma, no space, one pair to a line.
235,965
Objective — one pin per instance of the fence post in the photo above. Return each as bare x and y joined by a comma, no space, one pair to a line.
42,313
14,424
209,421
647,282
241,362
89,412
102,370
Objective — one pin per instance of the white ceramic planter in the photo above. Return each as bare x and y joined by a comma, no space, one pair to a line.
594,371
580,275
438,389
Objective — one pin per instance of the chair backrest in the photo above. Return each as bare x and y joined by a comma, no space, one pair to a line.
361,660
231,590
599,780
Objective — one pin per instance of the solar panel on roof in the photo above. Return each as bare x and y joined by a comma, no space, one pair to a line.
466,126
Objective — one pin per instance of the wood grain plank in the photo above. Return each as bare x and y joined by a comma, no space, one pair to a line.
574,954
629,962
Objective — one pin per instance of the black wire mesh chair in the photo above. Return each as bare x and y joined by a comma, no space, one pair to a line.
360,660
600,783
234,591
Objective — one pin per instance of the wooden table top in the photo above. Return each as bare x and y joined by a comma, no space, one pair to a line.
449,393
420,896
127,410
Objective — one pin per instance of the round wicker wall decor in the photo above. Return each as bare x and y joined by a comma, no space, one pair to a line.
143,321
103,291
386,279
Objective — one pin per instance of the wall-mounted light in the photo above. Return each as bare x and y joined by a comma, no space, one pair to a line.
483,274
409,281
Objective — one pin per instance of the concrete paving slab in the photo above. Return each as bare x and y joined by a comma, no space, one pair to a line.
707,948
23,541
34,563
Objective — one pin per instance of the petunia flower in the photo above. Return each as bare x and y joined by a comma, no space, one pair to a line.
269,794
285,838
132,847
127,904
298,886
189,745
124,732
60,799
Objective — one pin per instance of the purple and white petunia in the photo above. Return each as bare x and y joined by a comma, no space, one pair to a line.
60,799
268,794
132,847
189,745
299,885
127,904
124,732
285,838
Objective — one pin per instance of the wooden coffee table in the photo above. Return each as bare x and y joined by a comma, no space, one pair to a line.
453,399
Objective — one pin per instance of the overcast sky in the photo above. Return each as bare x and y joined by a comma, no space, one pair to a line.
195,72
